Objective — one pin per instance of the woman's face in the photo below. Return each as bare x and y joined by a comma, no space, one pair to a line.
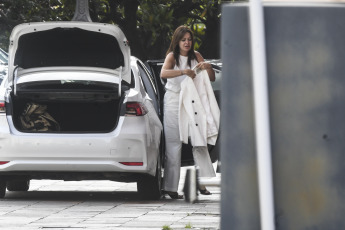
185,43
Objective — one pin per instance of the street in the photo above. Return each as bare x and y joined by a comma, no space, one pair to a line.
53,204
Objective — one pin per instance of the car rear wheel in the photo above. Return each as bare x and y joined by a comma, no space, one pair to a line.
18,185
150,187
2,188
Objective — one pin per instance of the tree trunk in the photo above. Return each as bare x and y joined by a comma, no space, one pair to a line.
129,27
210,47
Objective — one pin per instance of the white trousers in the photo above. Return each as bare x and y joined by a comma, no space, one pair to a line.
173,146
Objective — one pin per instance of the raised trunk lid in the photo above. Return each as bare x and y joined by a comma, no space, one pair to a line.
69,44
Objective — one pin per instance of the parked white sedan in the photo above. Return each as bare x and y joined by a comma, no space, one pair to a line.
3,64
77,106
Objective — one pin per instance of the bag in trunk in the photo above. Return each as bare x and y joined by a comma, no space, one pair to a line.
36,118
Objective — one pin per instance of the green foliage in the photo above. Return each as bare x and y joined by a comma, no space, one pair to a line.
166,227
16,12
199,32
147,24
188,226
155,18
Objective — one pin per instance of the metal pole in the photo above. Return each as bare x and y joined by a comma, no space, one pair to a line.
82,11
192,181
261,108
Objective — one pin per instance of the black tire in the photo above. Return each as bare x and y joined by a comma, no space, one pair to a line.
150,187
2,188
18,185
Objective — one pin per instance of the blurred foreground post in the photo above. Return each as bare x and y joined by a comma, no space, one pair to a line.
305,50
261,114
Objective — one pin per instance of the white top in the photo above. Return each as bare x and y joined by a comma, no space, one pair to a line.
174,84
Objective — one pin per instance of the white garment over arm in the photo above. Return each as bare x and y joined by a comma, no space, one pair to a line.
199,112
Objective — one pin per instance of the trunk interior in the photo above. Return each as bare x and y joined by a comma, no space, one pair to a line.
72,116
68,47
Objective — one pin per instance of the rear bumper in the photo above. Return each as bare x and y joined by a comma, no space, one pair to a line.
47,152
71,175
73,165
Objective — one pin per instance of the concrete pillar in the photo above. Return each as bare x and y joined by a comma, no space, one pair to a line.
305,47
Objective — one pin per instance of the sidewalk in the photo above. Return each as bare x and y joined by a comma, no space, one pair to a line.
104,205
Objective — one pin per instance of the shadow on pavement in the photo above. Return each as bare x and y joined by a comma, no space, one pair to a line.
72,195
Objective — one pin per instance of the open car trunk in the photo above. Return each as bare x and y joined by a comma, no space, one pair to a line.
88,108
65,76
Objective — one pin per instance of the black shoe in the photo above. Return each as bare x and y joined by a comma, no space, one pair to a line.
173,195
205,192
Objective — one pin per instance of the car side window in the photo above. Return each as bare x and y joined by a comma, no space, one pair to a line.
216,84
149,85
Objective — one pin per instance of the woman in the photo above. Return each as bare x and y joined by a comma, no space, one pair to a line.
179,62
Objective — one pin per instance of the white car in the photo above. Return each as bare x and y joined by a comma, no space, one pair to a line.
3,64
77,106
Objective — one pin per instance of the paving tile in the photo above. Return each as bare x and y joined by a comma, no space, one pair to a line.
160,218
108,220
103,205
147,224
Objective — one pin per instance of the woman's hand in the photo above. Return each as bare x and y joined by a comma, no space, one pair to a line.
190,73
204,65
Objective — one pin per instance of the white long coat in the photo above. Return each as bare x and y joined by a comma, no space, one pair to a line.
199,112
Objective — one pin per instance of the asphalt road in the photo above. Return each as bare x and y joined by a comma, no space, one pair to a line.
69,205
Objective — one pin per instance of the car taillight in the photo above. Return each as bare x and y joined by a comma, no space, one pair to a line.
2,107
135,109
3,162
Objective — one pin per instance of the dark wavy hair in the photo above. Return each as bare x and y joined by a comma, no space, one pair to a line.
175,48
